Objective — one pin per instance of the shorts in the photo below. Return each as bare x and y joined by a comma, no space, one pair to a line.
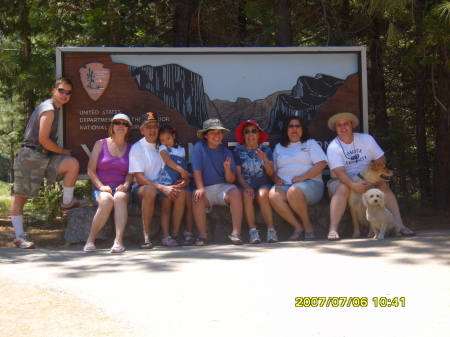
96,192
312,189
332,185
135,194
30,167
216,194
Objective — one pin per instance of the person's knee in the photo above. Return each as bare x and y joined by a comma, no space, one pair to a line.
342,191
148,192
295,193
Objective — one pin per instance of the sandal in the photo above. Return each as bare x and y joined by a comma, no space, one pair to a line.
299,236
310,236
89,248
189,237
407,232
169,242
200,242
236,239
117,248
333,236
147,244
181,241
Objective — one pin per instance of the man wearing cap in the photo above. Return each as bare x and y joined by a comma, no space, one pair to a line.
348,154
146,164
214,173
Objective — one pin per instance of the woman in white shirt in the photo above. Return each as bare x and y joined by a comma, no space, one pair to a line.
299,162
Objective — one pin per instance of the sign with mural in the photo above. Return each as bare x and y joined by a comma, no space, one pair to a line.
186,86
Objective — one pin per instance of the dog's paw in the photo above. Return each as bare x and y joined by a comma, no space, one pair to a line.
398,234
356,235
380,237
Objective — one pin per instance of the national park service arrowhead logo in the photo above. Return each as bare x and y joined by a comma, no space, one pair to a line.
95,79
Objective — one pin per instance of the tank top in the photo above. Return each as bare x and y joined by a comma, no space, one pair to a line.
111,170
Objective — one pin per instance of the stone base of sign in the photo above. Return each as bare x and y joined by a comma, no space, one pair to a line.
218,221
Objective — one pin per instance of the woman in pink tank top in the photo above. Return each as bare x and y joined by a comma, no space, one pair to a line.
108,170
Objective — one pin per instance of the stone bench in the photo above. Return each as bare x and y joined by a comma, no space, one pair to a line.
218,224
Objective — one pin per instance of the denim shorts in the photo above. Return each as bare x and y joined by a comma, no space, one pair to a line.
312,189
96,192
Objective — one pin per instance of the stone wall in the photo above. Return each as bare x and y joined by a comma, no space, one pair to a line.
218,221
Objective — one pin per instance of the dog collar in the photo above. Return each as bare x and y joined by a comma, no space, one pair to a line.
360,176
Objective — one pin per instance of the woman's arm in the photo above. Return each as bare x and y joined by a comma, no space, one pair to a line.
92,167
311,173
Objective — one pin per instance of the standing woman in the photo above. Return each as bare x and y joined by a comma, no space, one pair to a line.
254,166
108,170
299,162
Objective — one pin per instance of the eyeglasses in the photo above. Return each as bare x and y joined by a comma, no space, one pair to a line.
64,91
154,126
121,123
295,126
250,131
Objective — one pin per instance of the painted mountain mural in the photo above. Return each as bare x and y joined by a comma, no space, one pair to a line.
178,87
182,90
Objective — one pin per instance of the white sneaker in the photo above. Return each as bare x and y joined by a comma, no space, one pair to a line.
22,242
76,202
272,236
254,236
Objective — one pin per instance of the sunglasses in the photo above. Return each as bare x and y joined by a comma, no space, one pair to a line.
250,131
121,123
295,126
64,91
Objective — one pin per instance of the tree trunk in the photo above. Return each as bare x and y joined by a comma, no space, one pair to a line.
181,24
283,9
377,83
420,84
441,184
242,24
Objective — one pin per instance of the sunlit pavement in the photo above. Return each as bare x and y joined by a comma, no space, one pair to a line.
223,290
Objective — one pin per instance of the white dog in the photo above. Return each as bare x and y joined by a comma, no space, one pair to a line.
380,218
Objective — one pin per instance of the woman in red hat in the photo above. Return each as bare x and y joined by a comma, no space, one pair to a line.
254,166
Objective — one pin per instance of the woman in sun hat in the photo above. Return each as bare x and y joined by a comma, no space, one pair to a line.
254,166
108,170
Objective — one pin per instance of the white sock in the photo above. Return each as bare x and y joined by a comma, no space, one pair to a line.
271,229
68,194
17,222
252,230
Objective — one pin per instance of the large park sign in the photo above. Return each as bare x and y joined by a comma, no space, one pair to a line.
186,86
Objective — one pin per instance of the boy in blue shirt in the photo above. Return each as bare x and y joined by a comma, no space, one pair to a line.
214,174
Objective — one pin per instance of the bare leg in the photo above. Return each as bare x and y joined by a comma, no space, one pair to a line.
147,193
278,200
234,198
70,167
166,209
337,206
178,212
264,205
199,209
17,205
121,200
189,212
105,206
249,211
299,205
